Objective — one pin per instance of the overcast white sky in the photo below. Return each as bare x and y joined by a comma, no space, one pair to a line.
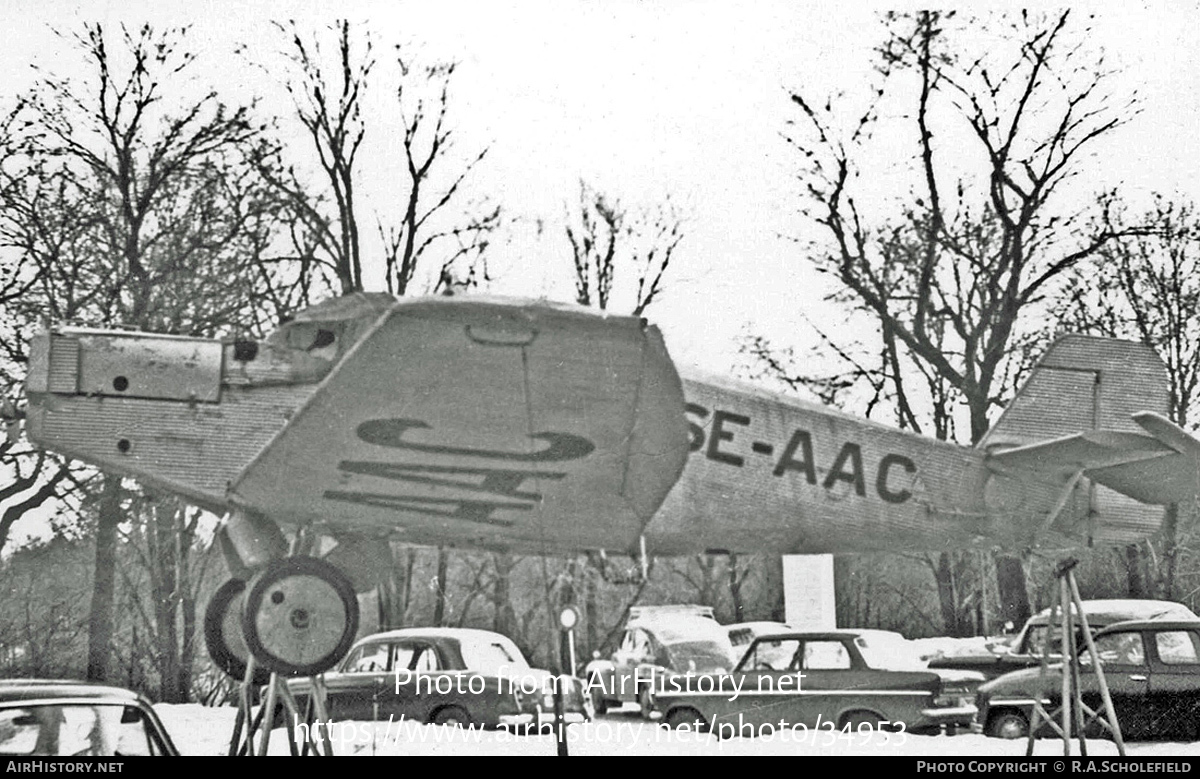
645,98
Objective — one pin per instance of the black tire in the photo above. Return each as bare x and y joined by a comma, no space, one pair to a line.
300,616
451,715
855,720
223,633
1008,724
686,716
645,701
596,693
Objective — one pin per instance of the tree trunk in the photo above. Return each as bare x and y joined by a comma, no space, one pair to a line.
943,576
592,609
187,657
439,607
773,589
735,588
166,586
100,624
504,620
1170,555
1011,590
1134,582
410,562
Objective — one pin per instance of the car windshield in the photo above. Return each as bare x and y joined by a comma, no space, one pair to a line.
1040,634
75,729
492,657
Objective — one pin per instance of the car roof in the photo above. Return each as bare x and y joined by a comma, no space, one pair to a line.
755,627
679,628
658,620
459,634
668,610
810,635
1121,610
29,690
876,633
1150,624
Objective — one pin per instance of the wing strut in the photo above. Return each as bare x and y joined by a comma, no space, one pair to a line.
1061,503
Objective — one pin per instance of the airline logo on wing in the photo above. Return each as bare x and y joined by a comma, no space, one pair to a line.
498,487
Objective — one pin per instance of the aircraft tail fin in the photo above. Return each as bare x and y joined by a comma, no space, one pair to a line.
1083,383
1075,416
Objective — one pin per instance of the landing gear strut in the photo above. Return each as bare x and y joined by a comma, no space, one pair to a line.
638,573
296,616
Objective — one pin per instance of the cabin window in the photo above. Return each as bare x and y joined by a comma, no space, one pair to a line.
826,655
1121,649
1177,647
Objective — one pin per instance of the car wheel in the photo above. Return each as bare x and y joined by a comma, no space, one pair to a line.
596,693
646,701
451,715
686,717
860,721
1008,724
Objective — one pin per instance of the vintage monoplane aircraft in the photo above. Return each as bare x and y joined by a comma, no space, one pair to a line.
536,427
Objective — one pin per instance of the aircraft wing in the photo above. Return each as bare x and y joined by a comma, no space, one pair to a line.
1158,468
489,424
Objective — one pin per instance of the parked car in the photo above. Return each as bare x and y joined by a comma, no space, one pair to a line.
40,717
1152,668
658,640
888,650
742,634
808,679
1027,648
444,676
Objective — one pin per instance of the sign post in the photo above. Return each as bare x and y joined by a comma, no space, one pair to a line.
568,618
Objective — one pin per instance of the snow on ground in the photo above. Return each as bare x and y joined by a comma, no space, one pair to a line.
198,730
955,647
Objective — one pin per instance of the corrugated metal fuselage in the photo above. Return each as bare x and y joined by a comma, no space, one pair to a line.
529,428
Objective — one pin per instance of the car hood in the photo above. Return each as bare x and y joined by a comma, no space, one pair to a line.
1026,680
959,677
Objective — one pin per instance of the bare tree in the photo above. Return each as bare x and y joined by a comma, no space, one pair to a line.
605,235
165,570
434,219
1001,113
136,200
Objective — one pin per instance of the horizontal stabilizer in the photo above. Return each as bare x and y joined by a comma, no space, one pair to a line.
1161,468
1081,452
1075,416
1168,432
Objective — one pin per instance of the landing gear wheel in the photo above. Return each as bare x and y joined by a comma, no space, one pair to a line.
300,616
223,633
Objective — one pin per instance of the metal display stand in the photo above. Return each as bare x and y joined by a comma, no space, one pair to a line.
1073,713
249,723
